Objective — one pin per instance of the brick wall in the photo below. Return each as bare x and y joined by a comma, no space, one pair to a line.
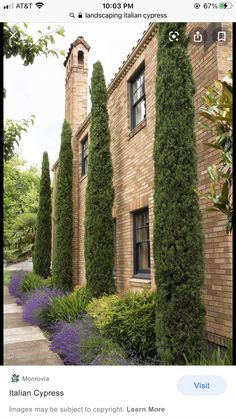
132,156
208,66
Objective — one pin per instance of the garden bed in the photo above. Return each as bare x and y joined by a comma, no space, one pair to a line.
110,330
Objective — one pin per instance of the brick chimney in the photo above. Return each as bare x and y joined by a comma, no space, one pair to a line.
76,86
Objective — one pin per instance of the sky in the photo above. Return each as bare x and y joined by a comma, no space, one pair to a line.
39,89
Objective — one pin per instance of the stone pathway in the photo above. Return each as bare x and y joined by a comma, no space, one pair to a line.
24,344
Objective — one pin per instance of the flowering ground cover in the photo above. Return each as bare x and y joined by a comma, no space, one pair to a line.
109,330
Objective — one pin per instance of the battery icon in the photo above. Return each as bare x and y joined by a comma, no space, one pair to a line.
225,5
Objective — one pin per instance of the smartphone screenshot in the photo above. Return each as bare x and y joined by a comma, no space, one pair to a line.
117,210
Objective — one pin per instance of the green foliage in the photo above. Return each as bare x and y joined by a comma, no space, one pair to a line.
218,108
42,248
33,281
62,260
12,135
21,187
99,225
17,42
68,307
97,350
7,277
178,238
102,310
129,321
22,237
218,357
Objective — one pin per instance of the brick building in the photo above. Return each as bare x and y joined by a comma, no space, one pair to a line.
131,107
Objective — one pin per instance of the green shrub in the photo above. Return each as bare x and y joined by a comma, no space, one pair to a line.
33,281
97,350
218,357
7,277
68,307
102,310
129,321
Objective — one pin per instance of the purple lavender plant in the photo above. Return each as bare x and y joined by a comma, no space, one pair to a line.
109,359
23,298
14,286
65,338
38,301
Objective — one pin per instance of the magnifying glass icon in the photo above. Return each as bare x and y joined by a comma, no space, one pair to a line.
72,15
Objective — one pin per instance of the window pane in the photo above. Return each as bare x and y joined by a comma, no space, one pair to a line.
139,112
84,156
142,234
142,244
143,256
138,94
85,165
138,82
139,220
85,148
115,257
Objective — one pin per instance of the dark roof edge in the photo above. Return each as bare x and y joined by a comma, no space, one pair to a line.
147,36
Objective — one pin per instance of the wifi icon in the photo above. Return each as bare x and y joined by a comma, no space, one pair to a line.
39,4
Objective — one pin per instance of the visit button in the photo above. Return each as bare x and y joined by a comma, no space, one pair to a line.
202,385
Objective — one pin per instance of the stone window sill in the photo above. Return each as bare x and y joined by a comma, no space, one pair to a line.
138,128
140,281
82,178
142,276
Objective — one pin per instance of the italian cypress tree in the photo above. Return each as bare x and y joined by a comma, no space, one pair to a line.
99,225
62,264
178,237
42,246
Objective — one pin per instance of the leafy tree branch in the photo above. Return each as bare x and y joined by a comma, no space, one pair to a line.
217,108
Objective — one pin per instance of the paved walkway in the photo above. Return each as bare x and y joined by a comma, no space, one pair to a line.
27,265
24,344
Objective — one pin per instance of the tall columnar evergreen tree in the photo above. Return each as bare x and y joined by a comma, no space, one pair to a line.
62,260
178,237
42,246
99,225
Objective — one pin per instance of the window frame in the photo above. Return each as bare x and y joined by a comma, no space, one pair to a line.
133,106
84,159
144,273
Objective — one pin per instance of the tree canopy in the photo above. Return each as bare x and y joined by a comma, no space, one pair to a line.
18,42
21,192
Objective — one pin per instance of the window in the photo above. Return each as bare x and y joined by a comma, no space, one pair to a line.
115,256
84,156
138,99
81,58
141,242
210,35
